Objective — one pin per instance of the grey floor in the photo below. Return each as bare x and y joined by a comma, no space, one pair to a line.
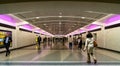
56,54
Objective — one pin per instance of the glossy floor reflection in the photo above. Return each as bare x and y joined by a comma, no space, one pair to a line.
58,52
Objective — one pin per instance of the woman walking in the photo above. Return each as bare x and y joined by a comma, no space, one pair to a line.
89,46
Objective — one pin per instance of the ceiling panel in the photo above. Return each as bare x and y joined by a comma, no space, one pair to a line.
71,15
57,25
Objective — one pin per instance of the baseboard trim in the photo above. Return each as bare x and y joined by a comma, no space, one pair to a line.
109,49
18,48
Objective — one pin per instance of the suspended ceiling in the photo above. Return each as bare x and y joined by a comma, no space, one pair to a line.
59,23
60,17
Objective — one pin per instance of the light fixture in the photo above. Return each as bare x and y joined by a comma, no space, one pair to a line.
92,27
37,28
96,12
95,22
83,17
114,19
60,16
44,24
22,23
27,27
82,28
37,17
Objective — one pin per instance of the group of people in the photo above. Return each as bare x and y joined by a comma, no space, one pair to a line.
75,42
88,47
46,41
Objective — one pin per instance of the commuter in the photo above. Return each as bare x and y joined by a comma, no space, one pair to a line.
51,42
75,41
44,42
83,41
63,39
48,41
89,47
7,41
70,40
80,43
39,41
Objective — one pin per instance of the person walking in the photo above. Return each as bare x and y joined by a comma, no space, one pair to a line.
89,46
39,41
44,42
70,40
7,41
80,43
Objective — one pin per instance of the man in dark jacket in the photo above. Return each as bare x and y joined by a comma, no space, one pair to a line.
39,40
7,41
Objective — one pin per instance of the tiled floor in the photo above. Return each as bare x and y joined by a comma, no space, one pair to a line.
57,54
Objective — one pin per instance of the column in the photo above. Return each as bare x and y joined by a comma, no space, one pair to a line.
103,33
16,36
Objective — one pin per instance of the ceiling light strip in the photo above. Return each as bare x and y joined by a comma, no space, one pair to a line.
40,17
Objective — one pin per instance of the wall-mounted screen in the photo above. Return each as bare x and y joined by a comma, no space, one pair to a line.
2,35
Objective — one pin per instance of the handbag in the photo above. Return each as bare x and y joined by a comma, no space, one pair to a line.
95,43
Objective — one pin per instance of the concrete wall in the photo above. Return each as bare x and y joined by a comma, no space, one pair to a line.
108,38
101,39
112,38
25,38
20,38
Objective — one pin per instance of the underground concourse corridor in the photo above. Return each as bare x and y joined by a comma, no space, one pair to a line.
59,32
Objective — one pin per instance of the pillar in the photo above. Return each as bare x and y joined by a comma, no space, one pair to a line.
16,36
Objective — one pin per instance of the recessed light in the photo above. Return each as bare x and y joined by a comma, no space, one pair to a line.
37,17
82,28
37,28
83,17
60,16
45,24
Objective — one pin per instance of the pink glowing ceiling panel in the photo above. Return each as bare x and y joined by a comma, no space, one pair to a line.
92,27
81,31
27,27
9,20
38,30
115,19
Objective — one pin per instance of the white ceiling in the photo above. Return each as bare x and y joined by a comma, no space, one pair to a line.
60,17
